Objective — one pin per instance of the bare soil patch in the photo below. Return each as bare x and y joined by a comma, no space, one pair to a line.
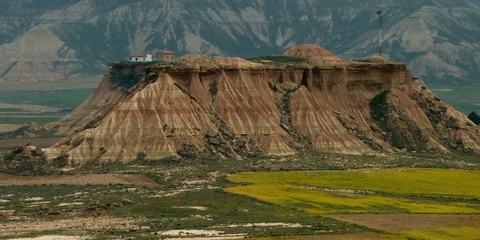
39,142
399,222
94,179
339,236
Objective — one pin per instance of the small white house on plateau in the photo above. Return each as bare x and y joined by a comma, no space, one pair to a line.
141,58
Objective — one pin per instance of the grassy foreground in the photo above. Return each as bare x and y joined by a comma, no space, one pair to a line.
194,195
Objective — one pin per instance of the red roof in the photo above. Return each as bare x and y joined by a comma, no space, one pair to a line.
138,55
166,52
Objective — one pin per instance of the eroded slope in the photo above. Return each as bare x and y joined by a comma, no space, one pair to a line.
230,107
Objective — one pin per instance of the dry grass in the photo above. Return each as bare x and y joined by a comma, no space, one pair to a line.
94,179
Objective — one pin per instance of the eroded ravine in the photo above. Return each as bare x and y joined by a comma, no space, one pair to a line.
232,107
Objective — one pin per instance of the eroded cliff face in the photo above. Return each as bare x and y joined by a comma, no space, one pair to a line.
115,83
230,107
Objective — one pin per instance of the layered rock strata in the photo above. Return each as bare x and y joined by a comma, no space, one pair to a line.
115,83
231,107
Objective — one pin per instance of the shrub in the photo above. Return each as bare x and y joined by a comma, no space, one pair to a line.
474,117
214,88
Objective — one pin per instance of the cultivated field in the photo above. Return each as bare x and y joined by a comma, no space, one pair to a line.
464,99
388,193
42,102
71,83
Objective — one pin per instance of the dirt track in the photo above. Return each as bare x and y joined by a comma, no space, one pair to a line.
77,224
399,222
94,179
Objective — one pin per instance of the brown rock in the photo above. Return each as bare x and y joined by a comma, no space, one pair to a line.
247,106
38,151
214,141
212,134
310,51
451,124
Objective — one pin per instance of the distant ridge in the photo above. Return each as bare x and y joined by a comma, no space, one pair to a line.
477,2
437,39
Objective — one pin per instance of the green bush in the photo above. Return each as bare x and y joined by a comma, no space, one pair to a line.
474,117
214,88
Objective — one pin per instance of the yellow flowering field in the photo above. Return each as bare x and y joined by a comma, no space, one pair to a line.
366,191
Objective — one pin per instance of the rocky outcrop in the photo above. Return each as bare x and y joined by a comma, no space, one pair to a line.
30,130
231,107
29,160
310,51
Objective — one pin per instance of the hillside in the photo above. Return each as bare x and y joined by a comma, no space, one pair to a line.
276,105
438,40
477,2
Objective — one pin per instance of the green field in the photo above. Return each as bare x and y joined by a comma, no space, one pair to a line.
54,98
26,102
367,191
64,84
464,99
29,105
40,120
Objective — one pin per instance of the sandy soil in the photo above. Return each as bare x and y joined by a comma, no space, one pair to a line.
94,179
39,142
399,222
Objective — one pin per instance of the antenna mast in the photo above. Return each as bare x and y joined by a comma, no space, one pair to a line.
380,32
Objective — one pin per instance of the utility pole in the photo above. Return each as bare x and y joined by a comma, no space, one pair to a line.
380,32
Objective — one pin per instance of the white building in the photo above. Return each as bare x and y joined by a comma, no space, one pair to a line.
142,57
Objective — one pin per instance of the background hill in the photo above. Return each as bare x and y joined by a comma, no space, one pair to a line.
59,39
475,2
